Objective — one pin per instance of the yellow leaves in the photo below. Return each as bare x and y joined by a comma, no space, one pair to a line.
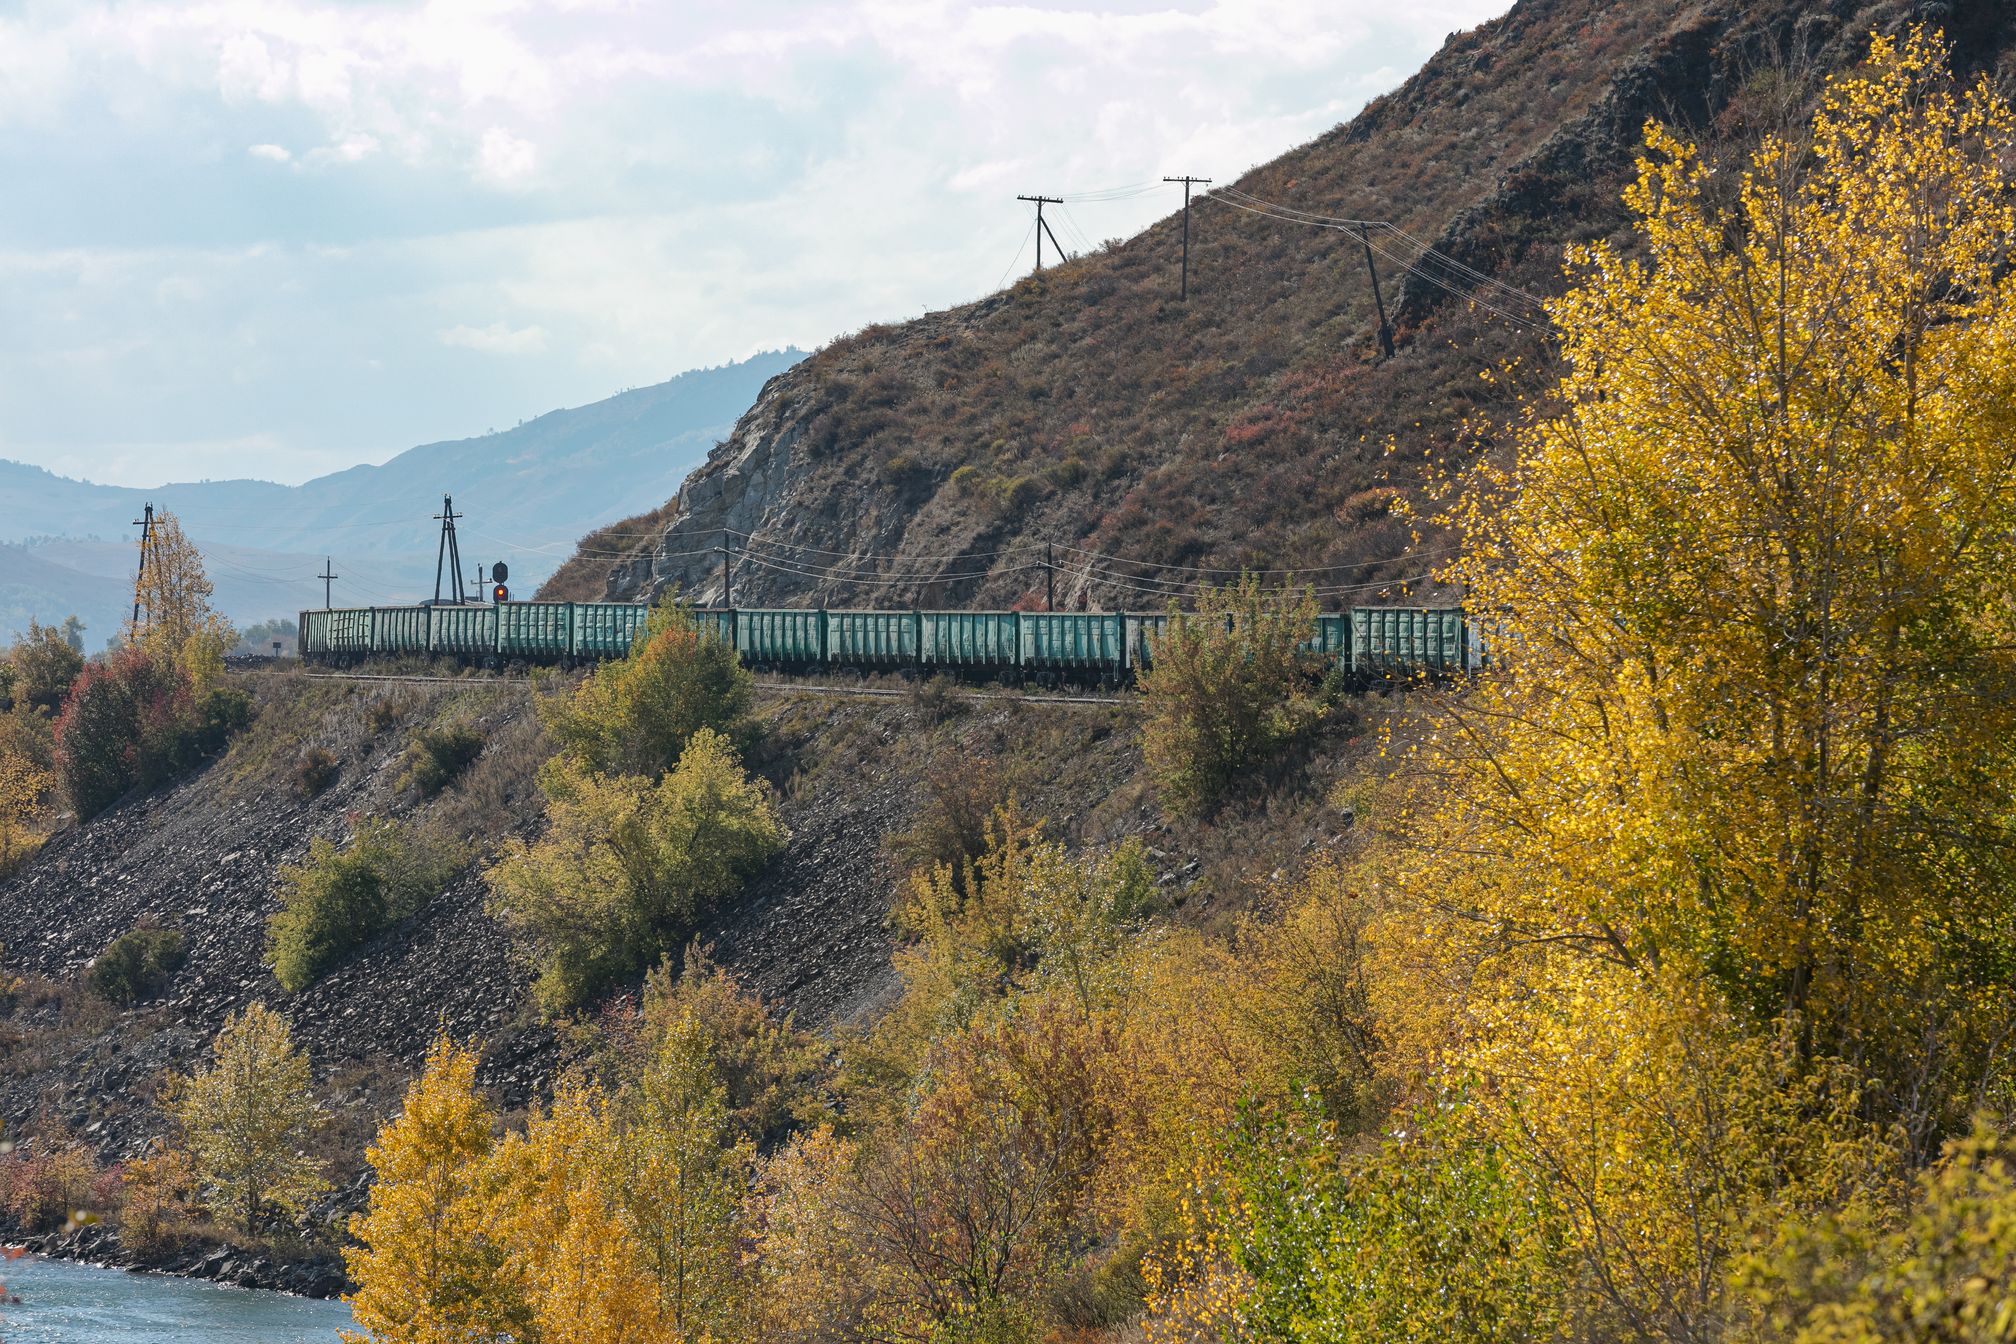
247,1120
601,1222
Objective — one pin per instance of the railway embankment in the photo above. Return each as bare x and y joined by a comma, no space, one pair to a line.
855,778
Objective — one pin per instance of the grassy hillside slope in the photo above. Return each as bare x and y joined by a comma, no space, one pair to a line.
930,461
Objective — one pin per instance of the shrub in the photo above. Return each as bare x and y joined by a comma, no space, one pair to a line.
627,866
137,964
135,721
961,796
1224,690
635,716
437,757
339,899
314,771
46,1189
41,667
156,1198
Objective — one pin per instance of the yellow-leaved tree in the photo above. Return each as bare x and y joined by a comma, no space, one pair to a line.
177,622
427,1263
247,1121
1734,811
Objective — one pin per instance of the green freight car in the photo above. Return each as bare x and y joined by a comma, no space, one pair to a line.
1371,643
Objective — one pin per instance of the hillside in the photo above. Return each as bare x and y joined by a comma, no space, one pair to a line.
527,493
931,461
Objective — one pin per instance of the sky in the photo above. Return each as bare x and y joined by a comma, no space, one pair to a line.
275,238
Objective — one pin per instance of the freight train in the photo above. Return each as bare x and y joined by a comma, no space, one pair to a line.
1013,647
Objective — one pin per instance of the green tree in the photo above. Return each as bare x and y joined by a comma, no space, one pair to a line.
248,1120
685,1176
634,716
1225,690
43,664
627,865
340,899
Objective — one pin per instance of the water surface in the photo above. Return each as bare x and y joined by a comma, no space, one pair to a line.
65,1303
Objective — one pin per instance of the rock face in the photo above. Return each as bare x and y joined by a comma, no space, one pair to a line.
1150,443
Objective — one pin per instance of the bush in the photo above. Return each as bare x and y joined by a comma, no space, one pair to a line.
340,899
636,715
137,965
627,867
41,667
314,771
1224,691
47,1189
137,720
156,1198
437,757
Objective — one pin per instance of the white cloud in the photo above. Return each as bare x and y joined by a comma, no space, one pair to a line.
505,159
626,189
496,339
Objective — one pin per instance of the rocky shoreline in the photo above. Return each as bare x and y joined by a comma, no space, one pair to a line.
318,1277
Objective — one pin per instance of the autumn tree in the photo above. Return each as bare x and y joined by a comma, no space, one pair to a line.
1709,876
636,714
247,1121
627,865
176,621
1224,689
428,1266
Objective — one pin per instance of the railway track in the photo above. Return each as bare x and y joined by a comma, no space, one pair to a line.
763,684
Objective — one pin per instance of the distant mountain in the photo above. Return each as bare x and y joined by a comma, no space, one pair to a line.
527,495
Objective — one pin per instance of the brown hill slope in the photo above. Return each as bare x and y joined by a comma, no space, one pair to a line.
930,462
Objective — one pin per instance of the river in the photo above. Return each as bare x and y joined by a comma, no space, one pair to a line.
64,1303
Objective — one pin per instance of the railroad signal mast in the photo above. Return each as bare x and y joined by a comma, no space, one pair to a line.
499,572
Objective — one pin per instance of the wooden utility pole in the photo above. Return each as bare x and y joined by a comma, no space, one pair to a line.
1049,580
727,570
1385,331
145,522
1183,293
328,576
1042,228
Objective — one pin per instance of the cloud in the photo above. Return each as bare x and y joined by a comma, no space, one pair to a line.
505,159
496,339
622,191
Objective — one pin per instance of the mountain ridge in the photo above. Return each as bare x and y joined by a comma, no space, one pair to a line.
528,494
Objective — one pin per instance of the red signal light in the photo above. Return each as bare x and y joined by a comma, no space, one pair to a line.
500,593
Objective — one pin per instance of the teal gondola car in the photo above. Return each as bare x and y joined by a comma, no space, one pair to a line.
871,639
783,638
983,641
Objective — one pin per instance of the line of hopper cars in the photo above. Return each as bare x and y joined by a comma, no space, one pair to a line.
1046,648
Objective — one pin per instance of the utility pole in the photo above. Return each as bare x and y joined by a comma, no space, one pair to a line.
1183,294
145,522
727,570
328,576
1049,580
1385,331
1042,228
450,555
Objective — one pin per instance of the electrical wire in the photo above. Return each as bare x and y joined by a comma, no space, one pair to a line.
1010,267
